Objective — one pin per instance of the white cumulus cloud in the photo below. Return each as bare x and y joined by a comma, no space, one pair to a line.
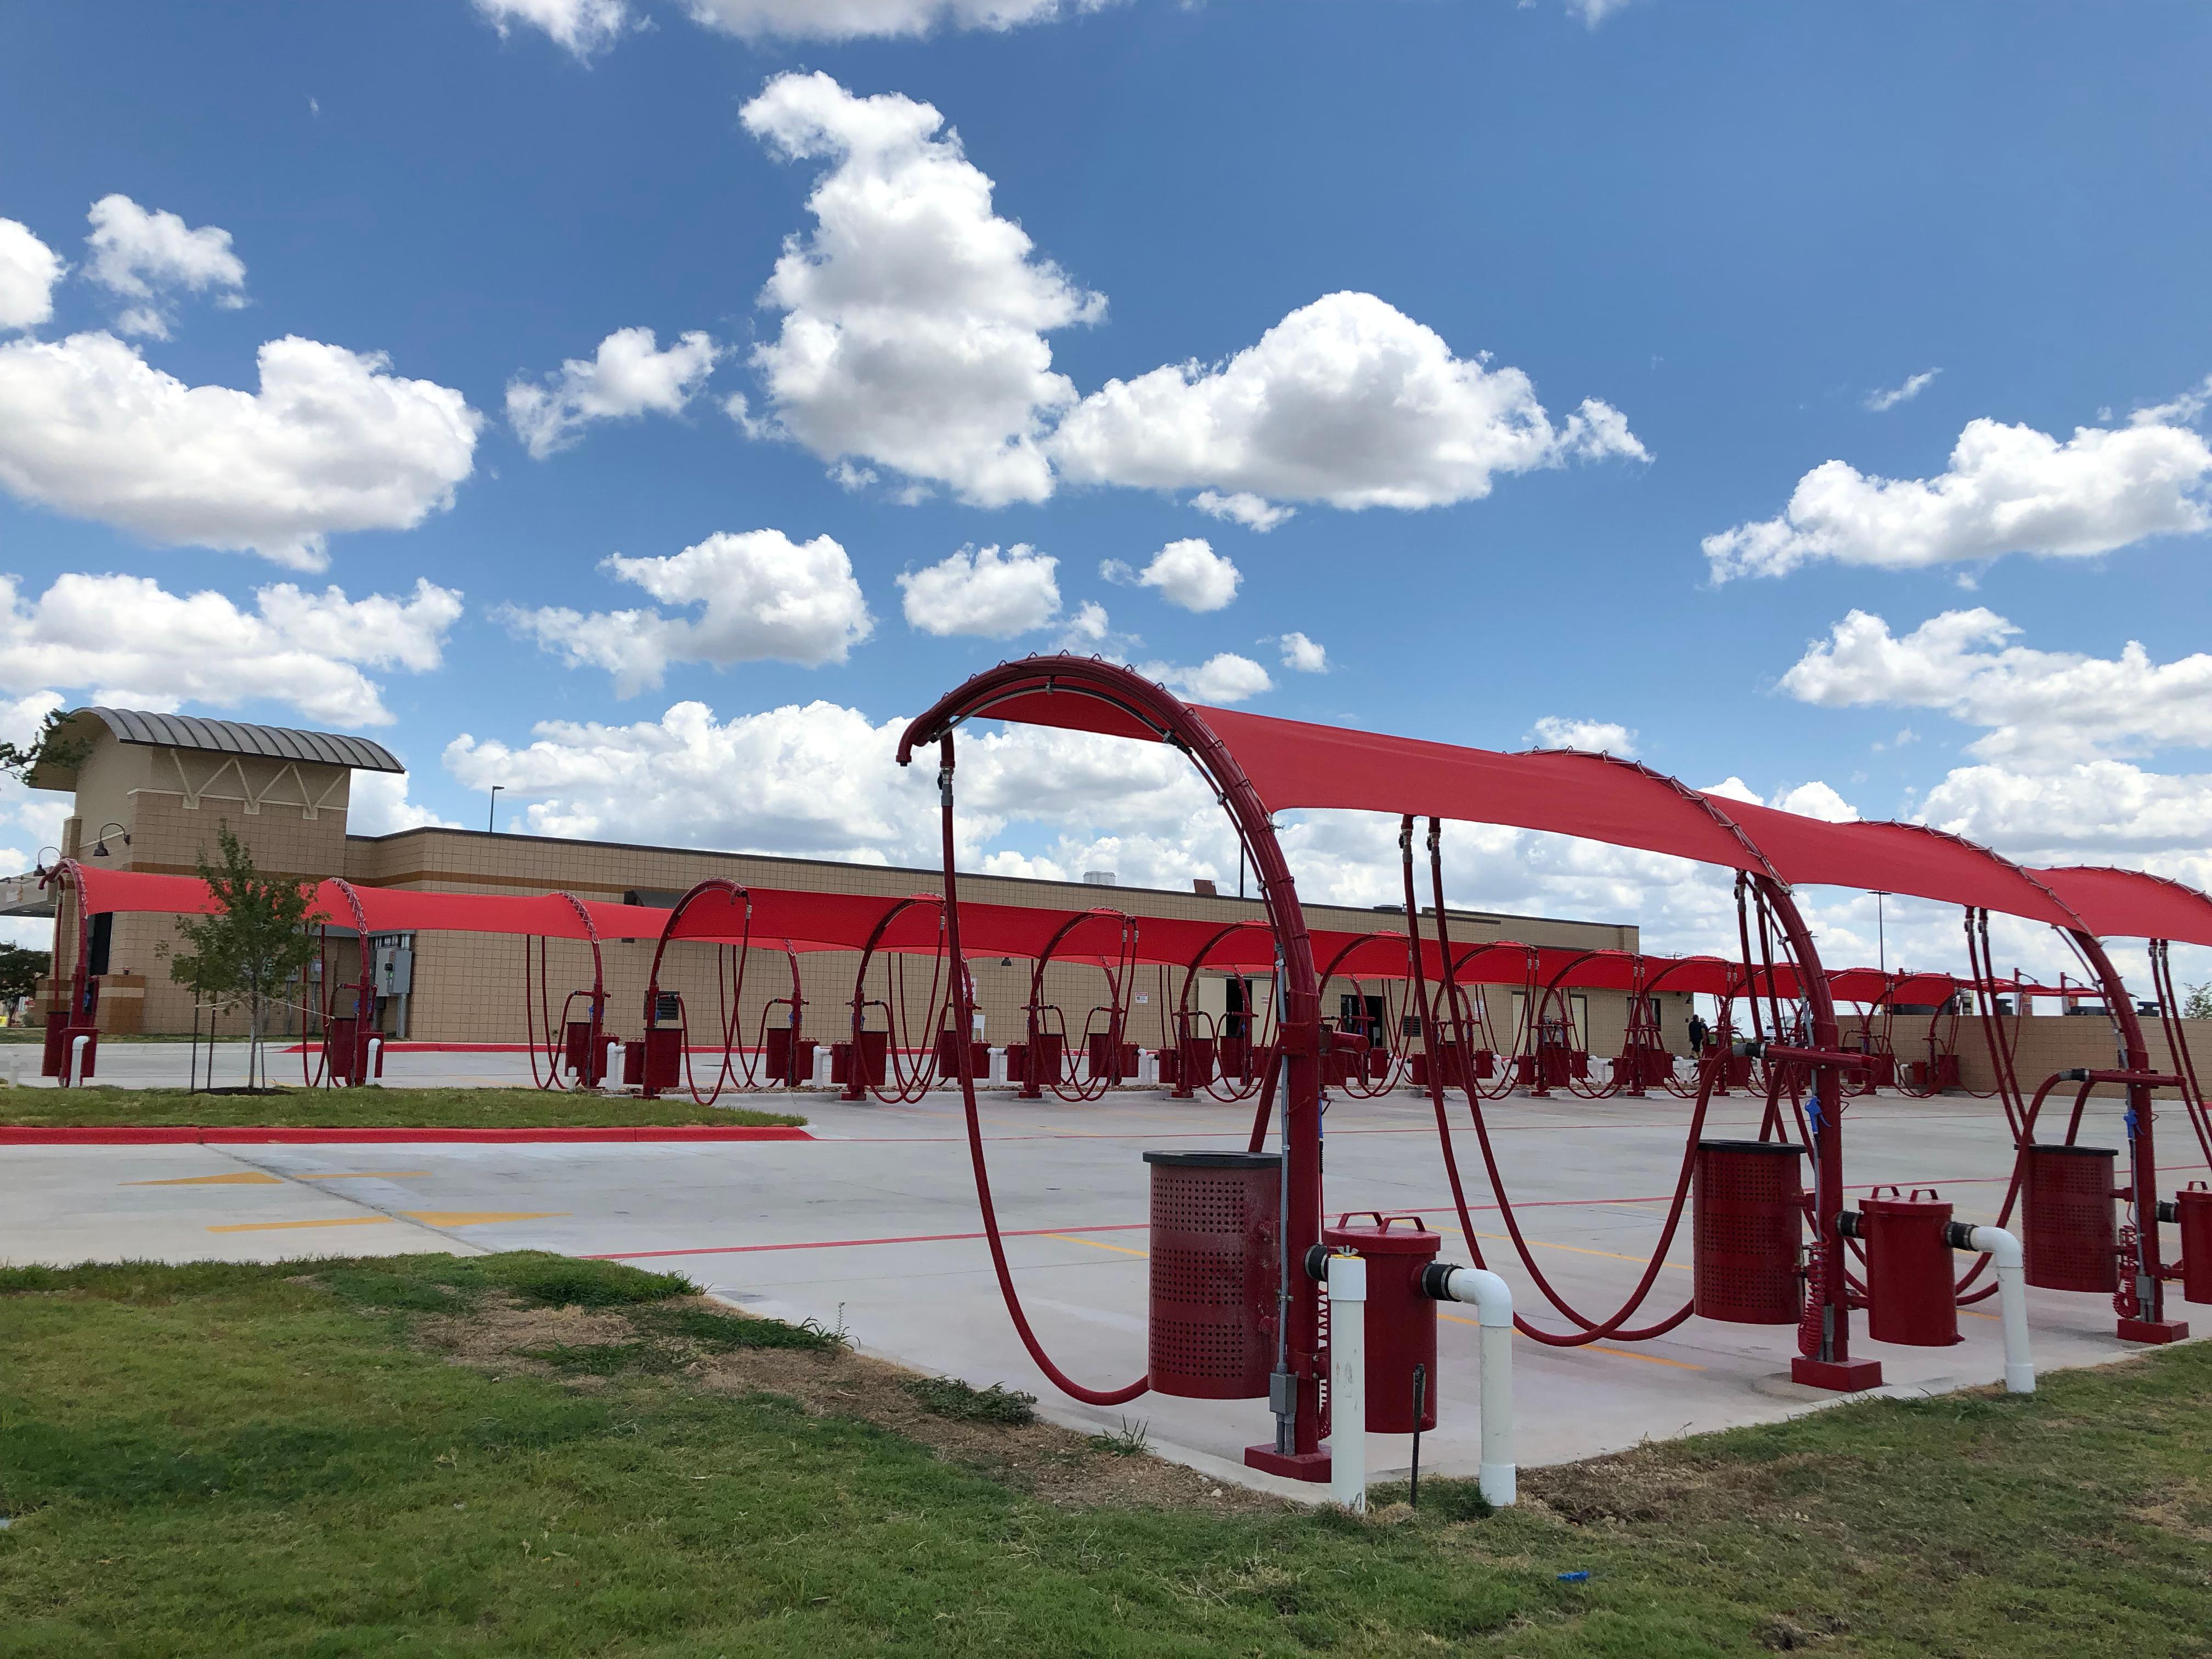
126,639
581,26
1224,678
2008,490
1303,655
983,591
377,805
1243,508
914,315
1346,400
1600,737
1890,397
140,254
851,19
2043,708
1187,573
628,376
760,596
29,271
332,441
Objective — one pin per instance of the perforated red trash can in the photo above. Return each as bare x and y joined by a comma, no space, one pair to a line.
1748,1218
1216,1260
2192,1209
1400,1322
2071,1238
1911,1296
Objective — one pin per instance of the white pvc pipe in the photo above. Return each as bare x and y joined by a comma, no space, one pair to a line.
77,1045
375,1055
2011,1305
822,1059
1347,1381
1493,1307
610,1066
999,1073
1148,1068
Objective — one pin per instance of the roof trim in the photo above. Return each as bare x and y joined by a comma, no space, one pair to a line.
213,736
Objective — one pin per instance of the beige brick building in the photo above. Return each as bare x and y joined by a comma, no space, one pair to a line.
150,791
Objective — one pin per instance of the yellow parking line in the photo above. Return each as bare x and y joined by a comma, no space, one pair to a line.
281,1226
1118,1249
476,1218
1618,1353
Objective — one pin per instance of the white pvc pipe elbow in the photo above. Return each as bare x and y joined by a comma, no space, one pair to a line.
1492,1300
2004,1251
77,1046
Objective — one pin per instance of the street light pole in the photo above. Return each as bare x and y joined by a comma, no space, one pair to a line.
492,811
1880,938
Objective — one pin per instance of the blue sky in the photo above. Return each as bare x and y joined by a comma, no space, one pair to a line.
1731,226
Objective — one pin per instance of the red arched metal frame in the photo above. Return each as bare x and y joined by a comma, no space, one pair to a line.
1297,1450
731,893
1256,1076
1120,971
364,990
898,1085
556,1032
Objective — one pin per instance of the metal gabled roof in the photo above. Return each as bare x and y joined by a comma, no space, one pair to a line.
221,738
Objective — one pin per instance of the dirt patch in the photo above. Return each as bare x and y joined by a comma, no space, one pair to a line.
2184,1510
1056,1465
1630,1488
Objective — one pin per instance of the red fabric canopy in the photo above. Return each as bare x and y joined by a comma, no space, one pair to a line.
1294,764
809,921
2133,903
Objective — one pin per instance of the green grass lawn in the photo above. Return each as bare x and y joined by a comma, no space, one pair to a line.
414,1108
524,1455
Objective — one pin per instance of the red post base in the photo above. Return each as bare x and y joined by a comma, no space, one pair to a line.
1844,1375
1291,1466
2153,1330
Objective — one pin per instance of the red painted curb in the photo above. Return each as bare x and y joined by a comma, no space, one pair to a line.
185,1135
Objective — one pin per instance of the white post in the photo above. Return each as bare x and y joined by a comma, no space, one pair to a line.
1347,1381
1493,1305
375,1058
2012,1304
78,1044
998,1066
822,1058
1148,1068
610,1070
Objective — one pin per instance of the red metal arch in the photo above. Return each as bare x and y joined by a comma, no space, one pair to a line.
1136,707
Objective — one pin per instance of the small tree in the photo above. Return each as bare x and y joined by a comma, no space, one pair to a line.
49,745
21,970
249,947
2197,1001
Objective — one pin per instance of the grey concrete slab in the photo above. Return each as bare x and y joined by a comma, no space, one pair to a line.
873,1224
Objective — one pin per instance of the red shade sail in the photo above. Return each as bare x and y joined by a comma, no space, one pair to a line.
1293,764
2133,903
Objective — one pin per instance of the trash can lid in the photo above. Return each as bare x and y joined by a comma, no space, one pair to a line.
1791,1147
1216,1160
1374,1233
2080,1151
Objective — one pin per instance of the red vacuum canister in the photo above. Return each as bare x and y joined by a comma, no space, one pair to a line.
2071,1240
1748,1209
1401,1322
2192,1213
1217,1260
1911,1297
